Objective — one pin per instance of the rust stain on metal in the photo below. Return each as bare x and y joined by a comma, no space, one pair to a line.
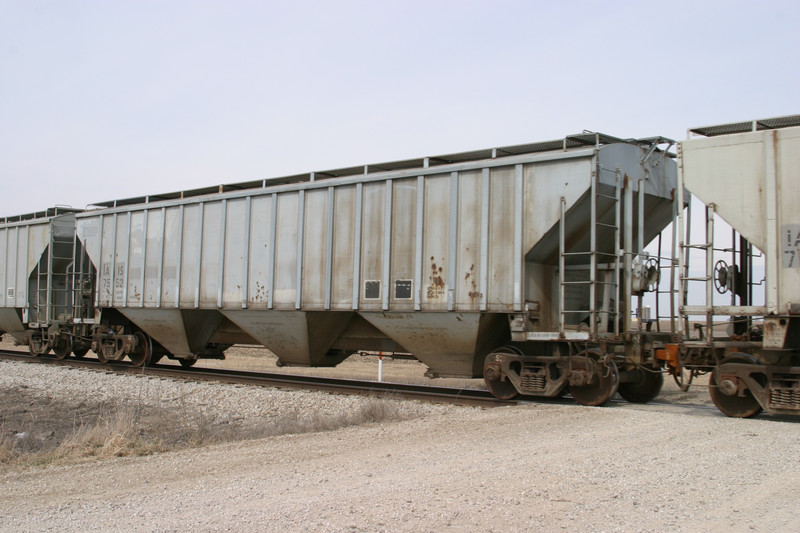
472,286
436,287
261,293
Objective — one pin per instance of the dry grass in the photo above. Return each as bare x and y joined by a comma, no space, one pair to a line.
41,430
106,431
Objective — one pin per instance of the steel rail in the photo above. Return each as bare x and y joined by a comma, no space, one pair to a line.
467,397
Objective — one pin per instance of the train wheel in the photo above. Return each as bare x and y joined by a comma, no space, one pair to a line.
604,384
144,350
187,363
63,347
732,405
645,389
500,387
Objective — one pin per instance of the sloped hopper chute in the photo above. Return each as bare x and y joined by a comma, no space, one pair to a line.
180,331
450,344
301,338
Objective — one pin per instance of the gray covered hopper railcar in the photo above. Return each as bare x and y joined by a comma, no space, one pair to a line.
533,247
39,273
746,301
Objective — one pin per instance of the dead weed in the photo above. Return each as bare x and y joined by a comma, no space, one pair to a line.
38,430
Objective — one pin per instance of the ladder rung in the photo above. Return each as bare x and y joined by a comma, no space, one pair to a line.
610,260
697,246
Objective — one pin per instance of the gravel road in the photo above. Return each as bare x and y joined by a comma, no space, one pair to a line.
539,467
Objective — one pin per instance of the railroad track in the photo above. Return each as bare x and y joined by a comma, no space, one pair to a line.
469,397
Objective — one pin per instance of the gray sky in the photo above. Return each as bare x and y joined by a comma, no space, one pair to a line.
110,99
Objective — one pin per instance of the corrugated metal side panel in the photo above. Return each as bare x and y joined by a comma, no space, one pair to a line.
788,199
232,256
23,241
104,252
260,251
500,289
8,240
170,226
17,279
402,282
210,264
189,253
120,260
467,283
453,240
315,252
285,282
31,242
436,230
135,259
371,284
343,247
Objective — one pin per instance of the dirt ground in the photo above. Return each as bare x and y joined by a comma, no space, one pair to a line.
676,464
